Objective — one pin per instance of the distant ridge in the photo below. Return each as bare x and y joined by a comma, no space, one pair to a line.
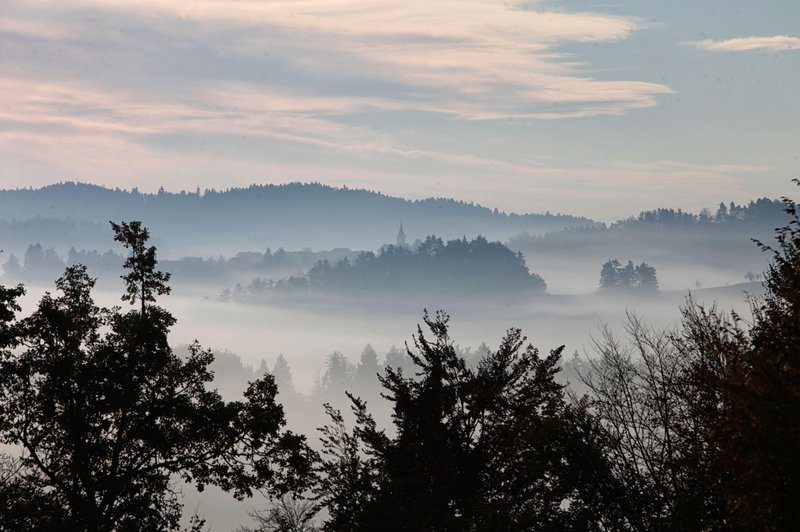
291,215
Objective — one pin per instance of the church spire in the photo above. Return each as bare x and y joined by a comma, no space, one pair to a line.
401,236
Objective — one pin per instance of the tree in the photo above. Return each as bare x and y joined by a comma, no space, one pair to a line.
106,416
349,472
646,277
746,385
143,281
704,421
286,514
627,276
609,274
282,375
491,448
614,275
337,378
398,359
366,371
722,212
21,497
639,390
365,377
12,267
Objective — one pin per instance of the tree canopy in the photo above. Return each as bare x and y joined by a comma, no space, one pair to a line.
475,266
106,417
614,275
705,419
497,447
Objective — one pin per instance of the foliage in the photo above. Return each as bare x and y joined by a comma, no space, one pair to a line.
143,281
704,238
496,447
704,421
22,496
746,380
106,416
471,266
614,276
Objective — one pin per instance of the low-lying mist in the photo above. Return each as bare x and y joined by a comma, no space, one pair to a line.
322,338
350,318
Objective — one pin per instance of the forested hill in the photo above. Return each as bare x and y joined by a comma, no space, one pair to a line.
293,215
473,267
721,238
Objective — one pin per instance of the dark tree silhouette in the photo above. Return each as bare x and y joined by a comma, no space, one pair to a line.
106,416
457,266
615,276
143,281
746,386
609,274
491,448
646,277
286,514
704,420
639,390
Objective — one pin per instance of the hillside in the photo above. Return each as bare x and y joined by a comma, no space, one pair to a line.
292,216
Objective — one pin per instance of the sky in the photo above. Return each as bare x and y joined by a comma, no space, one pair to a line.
579,107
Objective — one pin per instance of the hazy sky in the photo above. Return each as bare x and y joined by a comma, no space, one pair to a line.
601,109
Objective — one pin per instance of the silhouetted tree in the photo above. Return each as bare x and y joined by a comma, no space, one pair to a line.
22,496
365,377
704,421
460,265
639,391
283,375
609,274
745,381
349,472
143,281
646,277
491,448
105,414
286,514
613,276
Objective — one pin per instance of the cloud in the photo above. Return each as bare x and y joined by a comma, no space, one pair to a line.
377,94
302,74
472,59
774,43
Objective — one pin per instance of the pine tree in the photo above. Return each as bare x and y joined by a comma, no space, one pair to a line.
609,274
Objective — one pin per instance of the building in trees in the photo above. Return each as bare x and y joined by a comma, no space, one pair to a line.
401,237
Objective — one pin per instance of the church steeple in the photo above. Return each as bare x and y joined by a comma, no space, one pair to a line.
401,236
